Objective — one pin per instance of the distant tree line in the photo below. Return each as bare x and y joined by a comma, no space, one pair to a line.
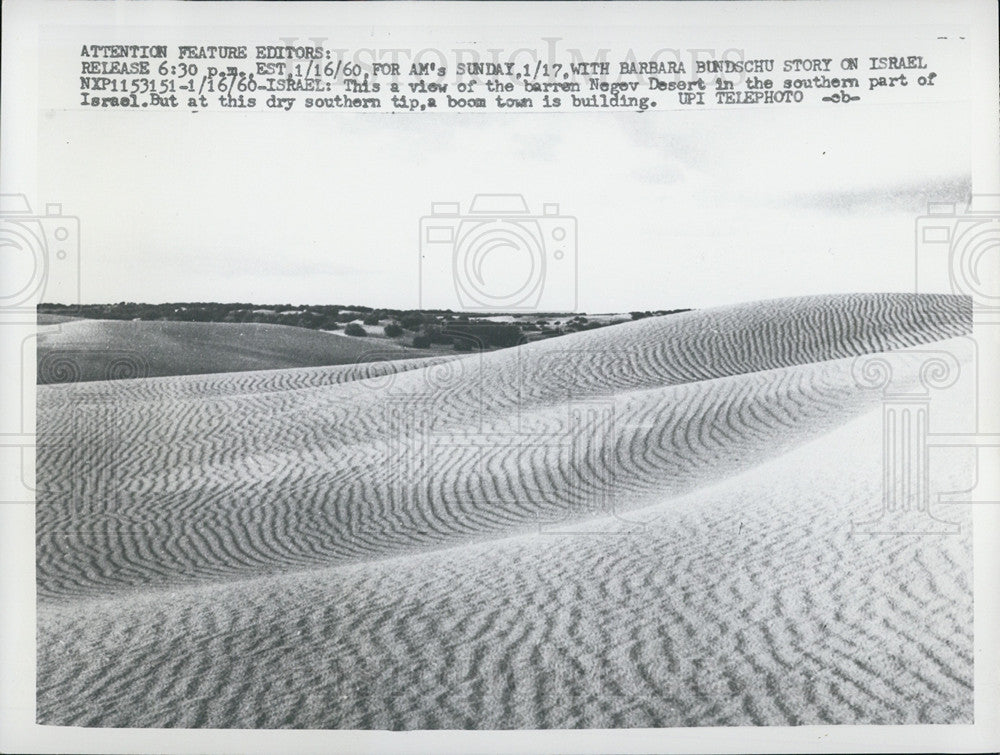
656,313
425,328
319,317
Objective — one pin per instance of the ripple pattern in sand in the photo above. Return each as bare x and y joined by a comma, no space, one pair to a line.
750,603
387,546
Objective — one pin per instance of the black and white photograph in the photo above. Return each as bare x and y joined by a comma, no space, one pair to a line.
485,377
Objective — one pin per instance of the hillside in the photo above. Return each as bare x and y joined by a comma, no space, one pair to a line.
86,350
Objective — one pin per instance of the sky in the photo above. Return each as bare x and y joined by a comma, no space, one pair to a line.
672,209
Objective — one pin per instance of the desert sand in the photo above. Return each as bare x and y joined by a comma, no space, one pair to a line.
85,350
647,525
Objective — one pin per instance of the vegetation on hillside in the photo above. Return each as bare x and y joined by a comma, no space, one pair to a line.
420,328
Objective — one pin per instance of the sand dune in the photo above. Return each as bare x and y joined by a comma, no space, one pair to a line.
747,603
376,364
328,549
85,350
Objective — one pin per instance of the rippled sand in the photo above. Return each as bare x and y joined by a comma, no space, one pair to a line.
643,525
85,350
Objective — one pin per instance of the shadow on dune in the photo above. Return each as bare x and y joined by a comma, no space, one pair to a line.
147,484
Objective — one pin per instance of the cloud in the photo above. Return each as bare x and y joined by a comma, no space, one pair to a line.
901,197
